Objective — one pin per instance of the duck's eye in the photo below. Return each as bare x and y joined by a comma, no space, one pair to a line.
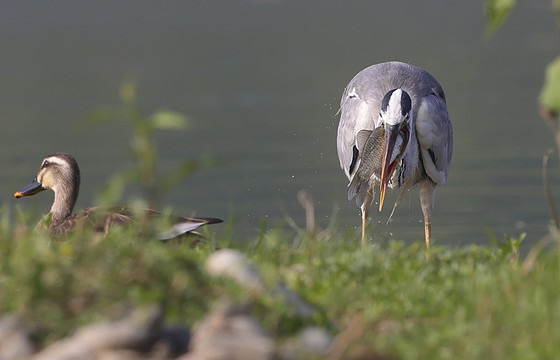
46,163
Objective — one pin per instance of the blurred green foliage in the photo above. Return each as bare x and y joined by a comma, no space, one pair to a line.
496,12
550,93
62,283
509,247
549,98
468,303
143,149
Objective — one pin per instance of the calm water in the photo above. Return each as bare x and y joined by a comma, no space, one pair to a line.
262,82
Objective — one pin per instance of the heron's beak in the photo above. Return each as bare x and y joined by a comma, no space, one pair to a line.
388,167
31,189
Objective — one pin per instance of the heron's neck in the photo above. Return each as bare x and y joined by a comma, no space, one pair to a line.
64,200
412,158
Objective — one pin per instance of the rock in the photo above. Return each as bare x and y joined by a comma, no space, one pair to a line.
317,340
311,342
230,334
233,264
137,332
119,354
14,338
175,339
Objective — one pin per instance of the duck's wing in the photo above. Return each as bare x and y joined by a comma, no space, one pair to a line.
102,219
186,225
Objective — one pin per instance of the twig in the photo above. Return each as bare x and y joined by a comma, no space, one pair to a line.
546,185
306,201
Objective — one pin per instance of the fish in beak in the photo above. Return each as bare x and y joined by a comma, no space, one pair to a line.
31,189
396,139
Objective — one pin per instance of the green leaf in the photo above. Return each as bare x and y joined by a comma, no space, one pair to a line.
103,115
166,120
178,174
550,93
114,190
127,91
496,12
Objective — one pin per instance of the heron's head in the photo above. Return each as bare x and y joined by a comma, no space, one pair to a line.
395,116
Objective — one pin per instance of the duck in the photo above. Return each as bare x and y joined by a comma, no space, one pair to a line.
60,173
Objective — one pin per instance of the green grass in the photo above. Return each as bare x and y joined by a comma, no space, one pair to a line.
468,303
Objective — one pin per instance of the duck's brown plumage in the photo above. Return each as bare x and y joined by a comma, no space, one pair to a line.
60,172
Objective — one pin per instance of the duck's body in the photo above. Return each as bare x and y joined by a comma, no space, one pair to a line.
60,172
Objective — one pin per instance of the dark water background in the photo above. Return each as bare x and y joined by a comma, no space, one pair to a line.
261,82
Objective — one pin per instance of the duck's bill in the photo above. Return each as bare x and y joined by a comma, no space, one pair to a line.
31,189
392,156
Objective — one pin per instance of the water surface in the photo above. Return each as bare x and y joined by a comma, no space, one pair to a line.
261,81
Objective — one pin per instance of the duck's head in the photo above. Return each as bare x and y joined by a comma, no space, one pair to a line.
59,172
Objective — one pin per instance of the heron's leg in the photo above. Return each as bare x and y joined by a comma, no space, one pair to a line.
427,191
365,214
427,230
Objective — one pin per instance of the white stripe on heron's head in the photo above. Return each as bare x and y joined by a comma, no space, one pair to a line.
395,106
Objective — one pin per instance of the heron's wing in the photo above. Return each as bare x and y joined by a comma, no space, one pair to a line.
361,102
346,136
435,136
355,115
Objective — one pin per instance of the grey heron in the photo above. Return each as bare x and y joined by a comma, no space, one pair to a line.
394,131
